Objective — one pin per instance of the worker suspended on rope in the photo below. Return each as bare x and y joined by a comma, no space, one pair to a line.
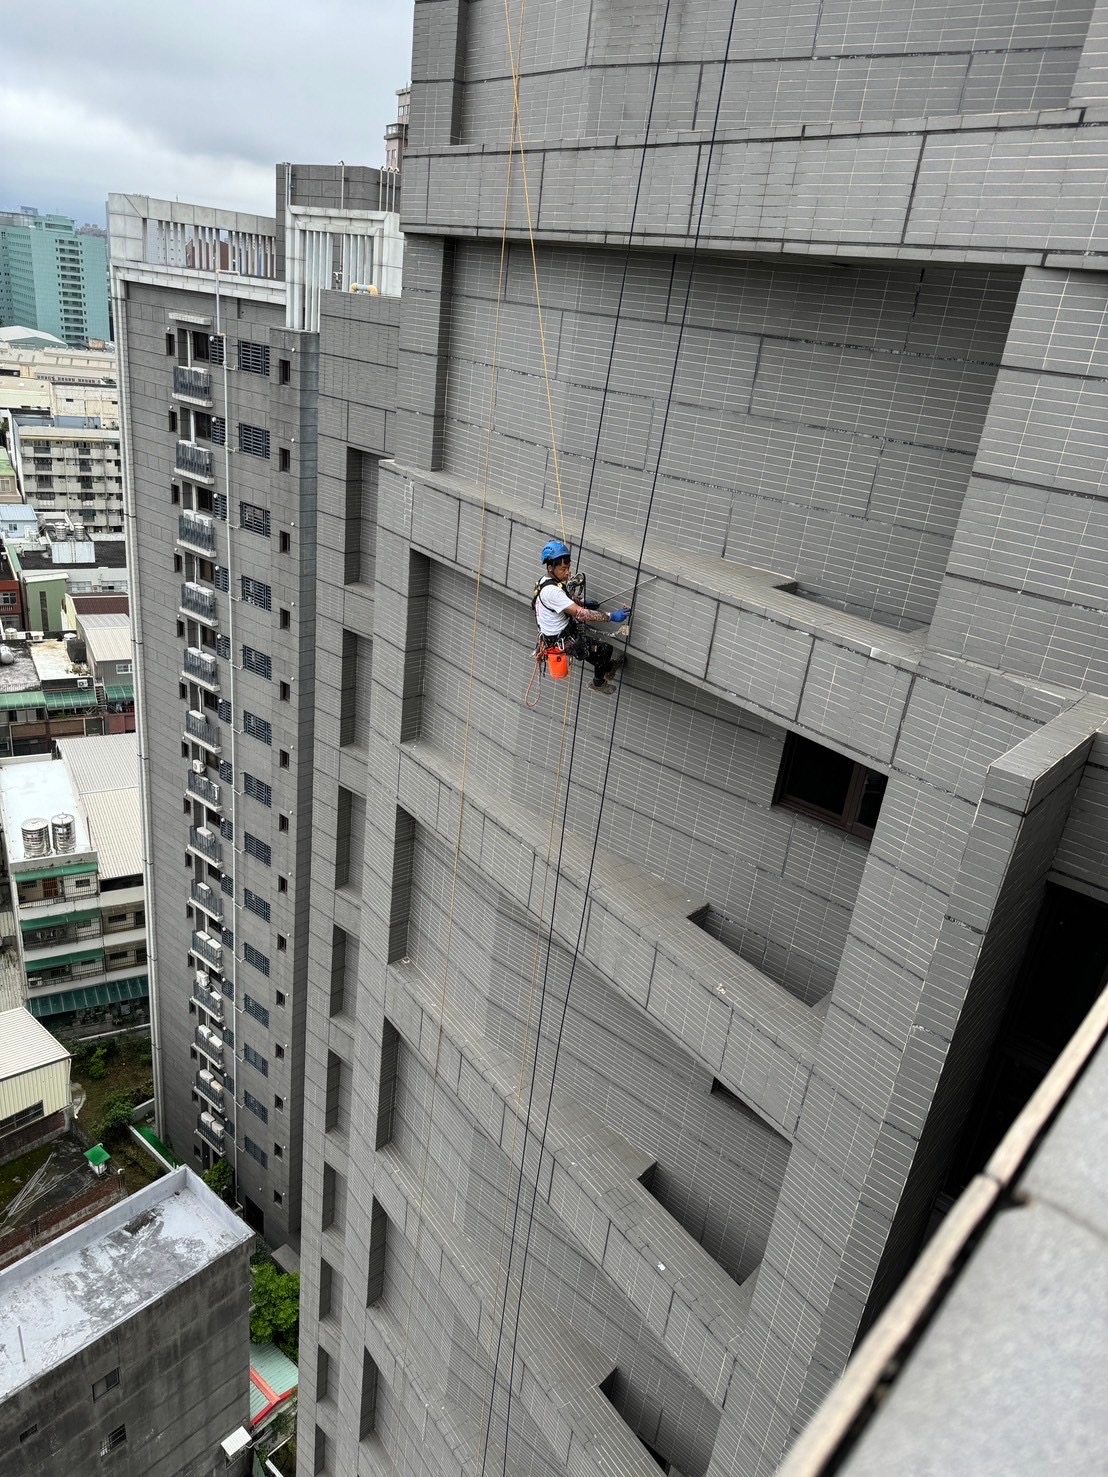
561,619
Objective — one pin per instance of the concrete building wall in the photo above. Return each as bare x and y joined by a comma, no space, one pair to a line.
654,1177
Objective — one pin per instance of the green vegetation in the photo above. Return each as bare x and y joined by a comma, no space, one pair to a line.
220,1179
275,1307
126,1078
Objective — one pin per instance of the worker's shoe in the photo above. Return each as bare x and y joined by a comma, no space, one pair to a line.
605,687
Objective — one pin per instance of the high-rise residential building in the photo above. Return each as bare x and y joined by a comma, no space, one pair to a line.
54,277
69,467
646,1034
218,318
396,133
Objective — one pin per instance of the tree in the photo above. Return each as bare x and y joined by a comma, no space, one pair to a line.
275,1307
220,1179
97,1064
115,1119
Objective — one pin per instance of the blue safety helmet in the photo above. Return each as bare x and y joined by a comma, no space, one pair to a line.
554,551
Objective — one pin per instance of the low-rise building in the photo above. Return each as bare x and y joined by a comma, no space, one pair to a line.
73,848
124,1344
107,642
34,1084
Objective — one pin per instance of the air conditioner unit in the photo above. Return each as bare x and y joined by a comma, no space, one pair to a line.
84,681
198,766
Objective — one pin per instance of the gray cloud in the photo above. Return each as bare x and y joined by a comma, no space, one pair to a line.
196,101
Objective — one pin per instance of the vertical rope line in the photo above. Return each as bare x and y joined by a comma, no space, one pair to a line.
611,749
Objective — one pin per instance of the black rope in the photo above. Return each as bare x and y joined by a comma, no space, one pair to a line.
611,745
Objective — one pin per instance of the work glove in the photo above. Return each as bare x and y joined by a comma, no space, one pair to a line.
619,616
591,604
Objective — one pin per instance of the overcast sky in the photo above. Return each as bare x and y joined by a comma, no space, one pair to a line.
194,101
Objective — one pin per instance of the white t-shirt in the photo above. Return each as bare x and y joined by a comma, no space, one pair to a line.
550,610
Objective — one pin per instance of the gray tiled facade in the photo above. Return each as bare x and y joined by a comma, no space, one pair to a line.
629,1089
837,409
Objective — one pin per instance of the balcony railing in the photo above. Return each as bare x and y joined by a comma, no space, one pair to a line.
210,999
210,1042
207,948
195,461
206,842
210,1129
198,727
198,601
200,784
197,531
208,1085
200,667
192,384
207,898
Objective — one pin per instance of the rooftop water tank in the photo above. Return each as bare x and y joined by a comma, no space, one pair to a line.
36,836
64,830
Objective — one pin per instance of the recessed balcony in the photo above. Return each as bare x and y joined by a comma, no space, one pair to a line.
205,842
199,602
195,462
195,531
201,667
192,384
198,727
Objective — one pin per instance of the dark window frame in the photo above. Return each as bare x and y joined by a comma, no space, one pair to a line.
799,752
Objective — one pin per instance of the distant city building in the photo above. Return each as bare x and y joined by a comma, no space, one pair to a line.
396,134
72,847
58,562
124,1344
58,381
69,467
53,277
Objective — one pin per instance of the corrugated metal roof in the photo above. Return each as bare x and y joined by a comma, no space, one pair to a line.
115,829
106,762
273,1378
104,620
105,774
108,643
24,1044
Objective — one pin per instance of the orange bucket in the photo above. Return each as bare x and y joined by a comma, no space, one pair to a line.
557,663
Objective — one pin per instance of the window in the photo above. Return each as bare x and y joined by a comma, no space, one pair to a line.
261,964
279,994
282,884
254,592
278,1198
114,1441
279,1052
830,787
223,710
252,1105
257,789
219,506
279,1104
174,493
282,822
170,344
201,346
254,520
253,440
108,1382
258,728
284,371
282,945
283,758
258,1011
255,1059
284,459
257,662
255,904
28,1433
260,850
172,420
201,425
215,348
284,620
219,431
285,692
221,578
284,540
255,1153
253,358
21,1118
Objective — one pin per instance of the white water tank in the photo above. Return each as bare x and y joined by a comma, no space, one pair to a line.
7,656
63,828
36,836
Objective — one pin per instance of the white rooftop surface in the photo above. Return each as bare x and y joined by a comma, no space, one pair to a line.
109,643
105,775
26,1044
95,621
50,657
76,1289
43,788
